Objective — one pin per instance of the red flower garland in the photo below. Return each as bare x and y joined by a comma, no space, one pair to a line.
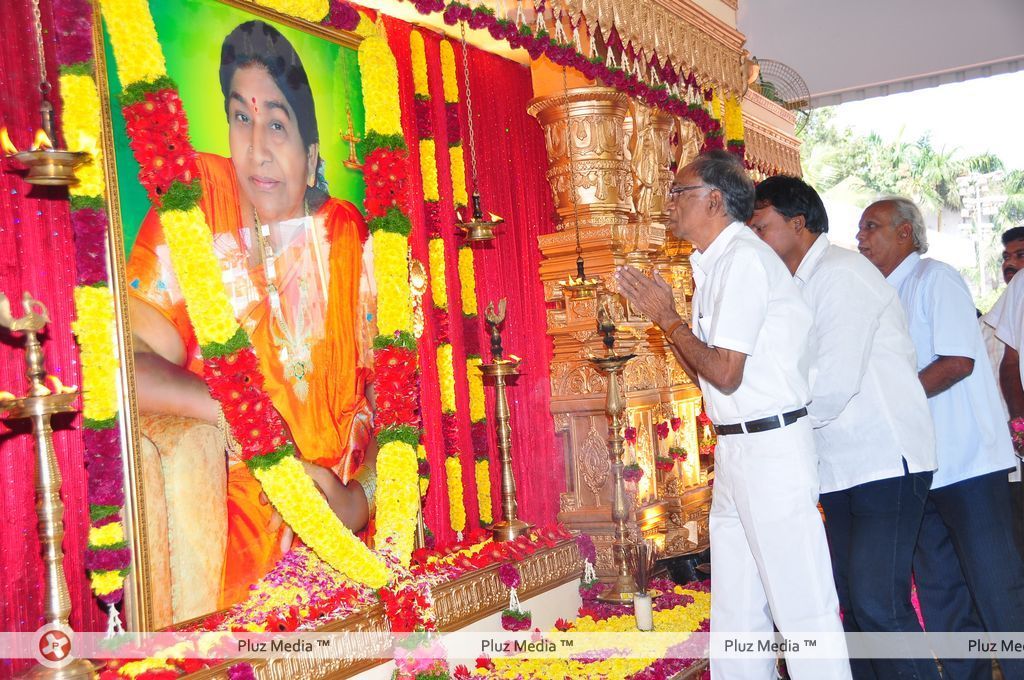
158,134
385,171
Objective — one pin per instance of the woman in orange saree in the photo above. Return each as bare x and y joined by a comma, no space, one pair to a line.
297,266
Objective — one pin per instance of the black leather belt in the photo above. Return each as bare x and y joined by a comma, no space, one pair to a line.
762,424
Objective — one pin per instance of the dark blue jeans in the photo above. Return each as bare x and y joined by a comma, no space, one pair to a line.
969,574
872,530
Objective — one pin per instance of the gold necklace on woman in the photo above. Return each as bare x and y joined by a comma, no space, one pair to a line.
292,345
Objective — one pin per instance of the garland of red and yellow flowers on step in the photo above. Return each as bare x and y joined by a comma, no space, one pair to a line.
107,557
155,119
397,422
467,280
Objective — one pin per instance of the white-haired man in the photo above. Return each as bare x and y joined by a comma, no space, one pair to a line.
968,572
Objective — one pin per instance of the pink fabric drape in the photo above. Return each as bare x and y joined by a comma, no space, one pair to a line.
36,255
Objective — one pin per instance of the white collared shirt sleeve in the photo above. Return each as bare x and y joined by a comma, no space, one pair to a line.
954,319
741,303
847,315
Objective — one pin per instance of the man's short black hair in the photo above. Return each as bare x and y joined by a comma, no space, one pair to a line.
791,196
1014,234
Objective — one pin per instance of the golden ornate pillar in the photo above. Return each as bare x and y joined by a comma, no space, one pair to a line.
620,173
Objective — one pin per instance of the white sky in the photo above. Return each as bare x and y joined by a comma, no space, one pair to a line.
976,116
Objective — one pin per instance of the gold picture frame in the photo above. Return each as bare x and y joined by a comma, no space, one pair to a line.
138,603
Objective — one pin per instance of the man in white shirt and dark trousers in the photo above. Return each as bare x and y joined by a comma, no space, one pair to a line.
967,568
748,349
872,427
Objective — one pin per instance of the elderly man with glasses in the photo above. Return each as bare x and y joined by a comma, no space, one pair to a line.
749,351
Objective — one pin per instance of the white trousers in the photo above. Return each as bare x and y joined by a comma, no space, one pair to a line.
769,557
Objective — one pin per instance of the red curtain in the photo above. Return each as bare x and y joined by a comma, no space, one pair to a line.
512,162
36,255
512,165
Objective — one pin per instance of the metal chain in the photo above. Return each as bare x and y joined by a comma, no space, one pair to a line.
469,105
572,165
44,84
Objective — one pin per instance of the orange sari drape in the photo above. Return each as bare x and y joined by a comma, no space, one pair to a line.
329,425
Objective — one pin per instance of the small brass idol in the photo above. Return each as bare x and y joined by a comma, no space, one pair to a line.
624,587
39,405
510,527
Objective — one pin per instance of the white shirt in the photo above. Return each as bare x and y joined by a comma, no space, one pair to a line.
745,300
996,348
868,407
971,436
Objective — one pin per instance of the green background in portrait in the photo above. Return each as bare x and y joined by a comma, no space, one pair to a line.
191,33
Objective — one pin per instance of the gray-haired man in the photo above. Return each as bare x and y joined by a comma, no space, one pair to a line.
748,348
968,572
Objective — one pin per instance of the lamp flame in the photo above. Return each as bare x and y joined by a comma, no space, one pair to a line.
494,218
5,142
42,141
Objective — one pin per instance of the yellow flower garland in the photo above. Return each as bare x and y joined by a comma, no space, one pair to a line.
380,86
733,119
391,270
106,582
477,405
466,278
715,106
483,490
94,329
134,669
419,64
295,496
190,241
366,26
396,501
310,10
451,81
421,455
435,257
458,166
108,534
133,37
81,130
446,377
428,170
456,505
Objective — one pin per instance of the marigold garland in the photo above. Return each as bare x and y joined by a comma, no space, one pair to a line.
418,55
391,269
734,125
81,130
456,503
107,556
468,280
435,258
458,167
482,469
94,328
450,79
446,377
133,37
428,168
396,500
310,10
379,73
477,406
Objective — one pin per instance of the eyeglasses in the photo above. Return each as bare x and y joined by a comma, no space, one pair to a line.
677,190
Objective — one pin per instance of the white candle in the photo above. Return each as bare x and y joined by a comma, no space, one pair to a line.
644,611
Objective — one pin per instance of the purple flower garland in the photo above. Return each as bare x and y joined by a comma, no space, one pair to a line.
101,439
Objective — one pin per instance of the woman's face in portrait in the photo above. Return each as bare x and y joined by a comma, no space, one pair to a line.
272,163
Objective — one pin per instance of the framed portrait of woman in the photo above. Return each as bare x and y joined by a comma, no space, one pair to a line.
274,109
